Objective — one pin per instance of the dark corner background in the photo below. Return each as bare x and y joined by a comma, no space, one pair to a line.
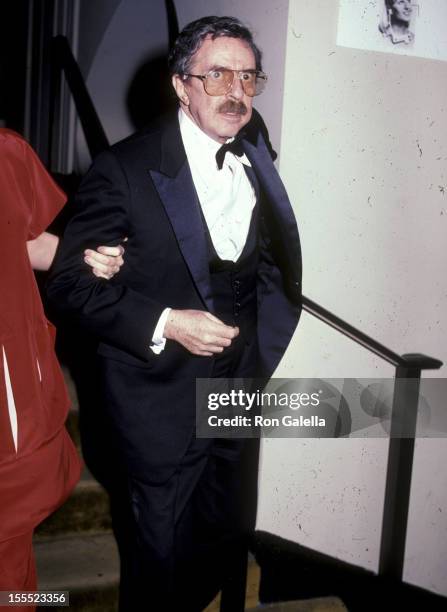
13,45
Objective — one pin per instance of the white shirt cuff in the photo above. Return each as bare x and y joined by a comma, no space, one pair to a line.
158,340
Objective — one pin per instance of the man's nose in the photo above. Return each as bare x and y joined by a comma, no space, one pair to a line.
236,91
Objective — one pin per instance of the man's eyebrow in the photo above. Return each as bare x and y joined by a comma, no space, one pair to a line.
219,67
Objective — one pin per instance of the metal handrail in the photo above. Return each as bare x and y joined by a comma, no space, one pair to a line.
402,437
409,360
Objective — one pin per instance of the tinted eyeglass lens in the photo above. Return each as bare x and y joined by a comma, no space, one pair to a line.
260,82
248,80
218,82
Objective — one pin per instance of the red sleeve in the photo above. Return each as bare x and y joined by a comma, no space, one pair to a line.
46,197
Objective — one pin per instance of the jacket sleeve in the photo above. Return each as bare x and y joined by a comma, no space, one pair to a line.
111,310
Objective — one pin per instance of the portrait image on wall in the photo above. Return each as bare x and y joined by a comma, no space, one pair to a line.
397,21
403,27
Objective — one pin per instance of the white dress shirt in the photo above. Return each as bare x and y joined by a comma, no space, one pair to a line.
226,197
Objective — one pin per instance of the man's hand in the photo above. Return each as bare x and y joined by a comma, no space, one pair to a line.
200,332
105,261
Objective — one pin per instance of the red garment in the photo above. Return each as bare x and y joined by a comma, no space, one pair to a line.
18,568
38,476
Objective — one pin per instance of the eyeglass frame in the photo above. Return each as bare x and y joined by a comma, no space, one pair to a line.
259,74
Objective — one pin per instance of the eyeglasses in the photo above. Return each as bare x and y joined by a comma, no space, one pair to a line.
219,81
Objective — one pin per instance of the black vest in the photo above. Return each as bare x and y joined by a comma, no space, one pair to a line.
233,284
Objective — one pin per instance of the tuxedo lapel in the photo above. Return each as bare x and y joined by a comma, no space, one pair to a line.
253,180
175,188
268,177
277,198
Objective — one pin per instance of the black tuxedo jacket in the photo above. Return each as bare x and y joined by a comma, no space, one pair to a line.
142,189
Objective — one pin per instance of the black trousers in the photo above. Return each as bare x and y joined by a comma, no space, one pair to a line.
181,540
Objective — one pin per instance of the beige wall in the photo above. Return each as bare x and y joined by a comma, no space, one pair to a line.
364,159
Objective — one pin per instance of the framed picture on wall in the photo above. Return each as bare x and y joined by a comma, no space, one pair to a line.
404,27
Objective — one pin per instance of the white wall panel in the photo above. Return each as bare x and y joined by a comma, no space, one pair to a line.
364,161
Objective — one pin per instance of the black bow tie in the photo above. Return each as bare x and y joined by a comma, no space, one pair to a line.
235,146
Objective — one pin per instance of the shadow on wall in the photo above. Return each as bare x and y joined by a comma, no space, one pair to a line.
150,92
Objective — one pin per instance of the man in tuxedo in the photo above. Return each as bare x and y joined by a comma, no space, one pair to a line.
211,287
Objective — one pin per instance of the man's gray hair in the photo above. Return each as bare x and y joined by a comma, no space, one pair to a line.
192,36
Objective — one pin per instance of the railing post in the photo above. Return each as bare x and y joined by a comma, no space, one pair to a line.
233,590
399,471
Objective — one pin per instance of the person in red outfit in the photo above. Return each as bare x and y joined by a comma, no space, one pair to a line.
39,465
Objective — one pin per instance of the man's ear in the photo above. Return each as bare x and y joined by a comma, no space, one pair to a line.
179,85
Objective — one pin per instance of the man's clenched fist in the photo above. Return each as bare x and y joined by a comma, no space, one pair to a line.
200,332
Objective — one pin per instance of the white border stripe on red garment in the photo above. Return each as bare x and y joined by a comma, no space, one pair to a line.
10,400
38,370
